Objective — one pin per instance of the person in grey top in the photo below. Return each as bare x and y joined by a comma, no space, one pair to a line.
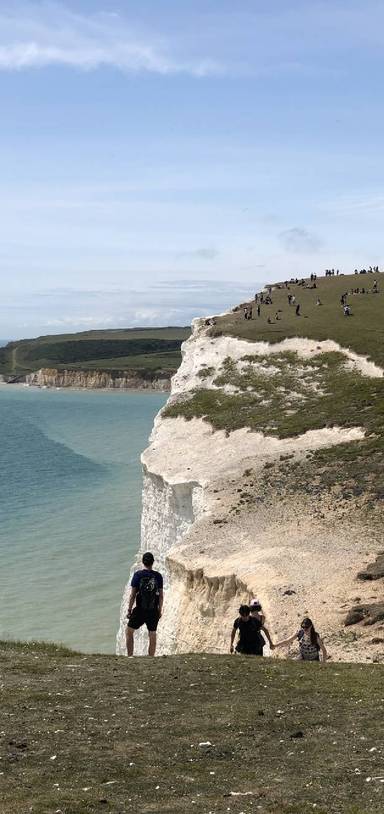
310,643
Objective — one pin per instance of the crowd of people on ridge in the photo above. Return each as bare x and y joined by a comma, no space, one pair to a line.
265,297
145,607
370,270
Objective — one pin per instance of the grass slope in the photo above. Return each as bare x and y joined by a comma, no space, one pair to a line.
132,349
85,734
362,331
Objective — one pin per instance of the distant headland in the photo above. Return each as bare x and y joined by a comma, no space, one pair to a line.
137,358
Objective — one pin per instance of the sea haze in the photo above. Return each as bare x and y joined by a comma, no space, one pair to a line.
70,498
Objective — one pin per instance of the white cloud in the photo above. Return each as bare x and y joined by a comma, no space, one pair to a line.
73,309
300,241
286,38
36,36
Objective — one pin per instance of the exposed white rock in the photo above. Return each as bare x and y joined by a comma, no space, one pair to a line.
203,351
191,452
96,380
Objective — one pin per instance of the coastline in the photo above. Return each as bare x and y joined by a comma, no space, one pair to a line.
48,379
73,389
100,379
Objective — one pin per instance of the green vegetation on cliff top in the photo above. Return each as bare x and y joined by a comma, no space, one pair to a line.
187,734
362,332
131,349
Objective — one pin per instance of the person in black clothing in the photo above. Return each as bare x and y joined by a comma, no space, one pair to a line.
257,612
250,640
256,609
145,603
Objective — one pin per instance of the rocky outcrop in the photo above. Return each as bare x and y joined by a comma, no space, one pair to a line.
101,379
8,378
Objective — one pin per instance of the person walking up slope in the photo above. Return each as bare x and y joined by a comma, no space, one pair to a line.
256,612
310,643
145,603
250,640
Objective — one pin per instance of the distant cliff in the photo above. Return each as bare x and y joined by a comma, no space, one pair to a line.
114,351
102,379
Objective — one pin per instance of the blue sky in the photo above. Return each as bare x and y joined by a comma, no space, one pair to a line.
161,159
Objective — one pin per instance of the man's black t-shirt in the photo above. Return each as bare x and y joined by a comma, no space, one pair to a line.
155,585
251,640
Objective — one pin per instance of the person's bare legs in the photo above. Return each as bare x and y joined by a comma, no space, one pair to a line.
129,640
152,642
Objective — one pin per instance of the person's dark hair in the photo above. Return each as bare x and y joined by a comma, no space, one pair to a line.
307,623
255,606
244,610
148,558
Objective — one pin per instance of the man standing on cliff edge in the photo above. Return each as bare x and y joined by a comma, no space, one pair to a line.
147,597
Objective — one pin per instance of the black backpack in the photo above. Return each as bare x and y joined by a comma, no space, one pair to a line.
148,592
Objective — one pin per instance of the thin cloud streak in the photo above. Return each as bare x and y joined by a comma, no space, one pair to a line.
39,35
35,36
369,202
130,57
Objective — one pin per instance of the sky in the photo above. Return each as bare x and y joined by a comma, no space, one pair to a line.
163,159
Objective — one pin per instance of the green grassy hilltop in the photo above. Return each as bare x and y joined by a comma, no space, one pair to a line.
183,734
362,332
113,350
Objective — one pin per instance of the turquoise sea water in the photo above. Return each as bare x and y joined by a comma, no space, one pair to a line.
70,495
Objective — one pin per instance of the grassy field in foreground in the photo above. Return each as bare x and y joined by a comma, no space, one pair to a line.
131,349
362,331
182,734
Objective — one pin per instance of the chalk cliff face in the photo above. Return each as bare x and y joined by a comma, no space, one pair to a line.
99,379
225,524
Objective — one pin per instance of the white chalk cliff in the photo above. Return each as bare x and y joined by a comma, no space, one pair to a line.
216,553
99,379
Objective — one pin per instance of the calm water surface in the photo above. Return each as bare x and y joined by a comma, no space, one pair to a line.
70,495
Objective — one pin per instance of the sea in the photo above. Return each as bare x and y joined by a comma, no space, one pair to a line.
70,503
